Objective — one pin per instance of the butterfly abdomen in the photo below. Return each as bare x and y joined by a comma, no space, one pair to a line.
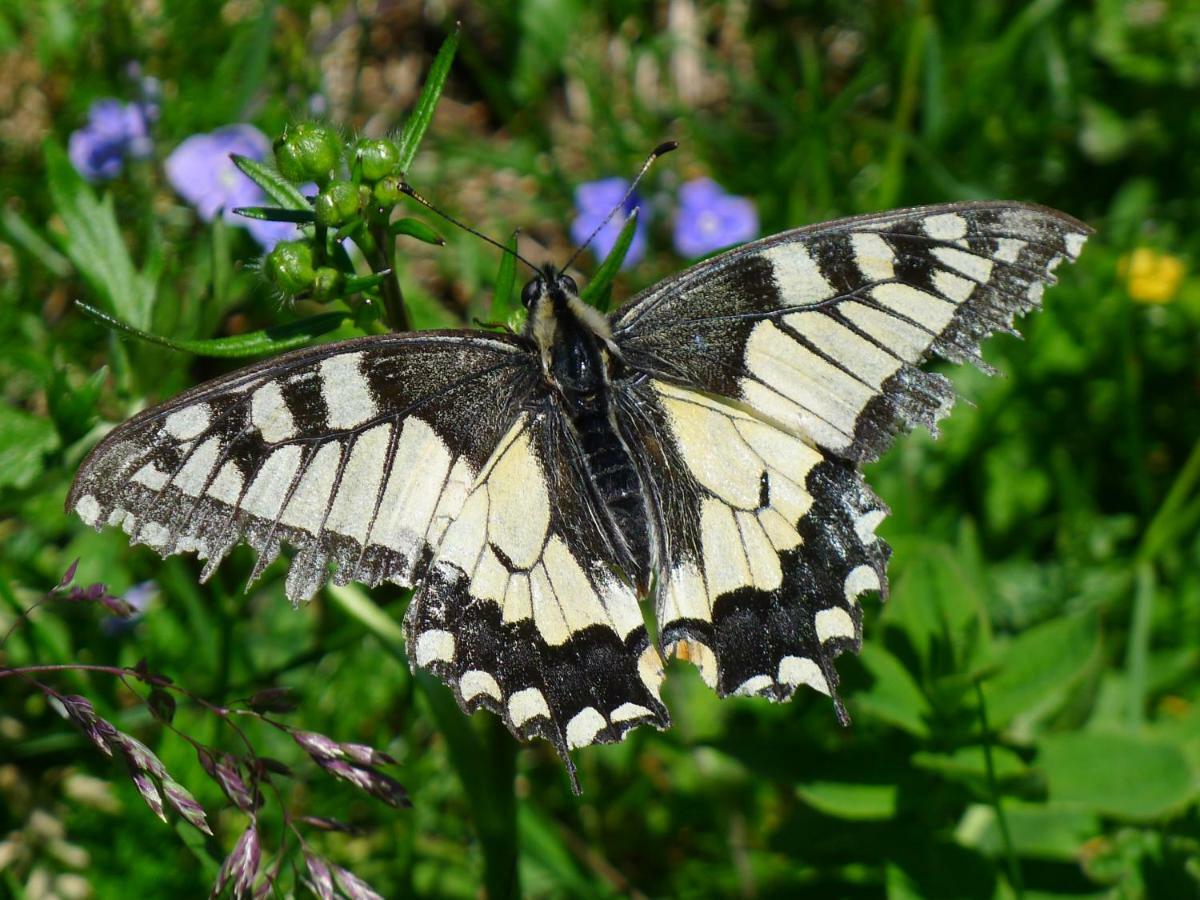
615,480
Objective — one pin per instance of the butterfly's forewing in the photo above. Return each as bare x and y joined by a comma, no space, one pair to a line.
358,454
522,611
778,367
823,328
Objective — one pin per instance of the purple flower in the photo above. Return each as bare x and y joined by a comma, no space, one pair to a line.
593,201
114,131
709,219
202,173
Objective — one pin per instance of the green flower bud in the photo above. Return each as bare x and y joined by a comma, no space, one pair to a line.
328,283
378,158
337,204
308,152
290,267
387,191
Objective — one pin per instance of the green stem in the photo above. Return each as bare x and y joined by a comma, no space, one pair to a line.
1010,853
394,310
1138,651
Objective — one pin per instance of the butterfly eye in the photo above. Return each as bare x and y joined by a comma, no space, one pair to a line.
568,284
531,292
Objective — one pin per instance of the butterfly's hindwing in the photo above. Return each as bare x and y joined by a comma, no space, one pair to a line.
522,611
823,328
768,543
357,454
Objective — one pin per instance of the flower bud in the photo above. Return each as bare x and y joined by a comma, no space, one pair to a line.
308,152
337,203
378,158
387,191
328,283
290,267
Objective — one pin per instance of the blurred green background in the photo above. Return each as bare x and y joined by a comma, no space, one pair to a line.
1046,575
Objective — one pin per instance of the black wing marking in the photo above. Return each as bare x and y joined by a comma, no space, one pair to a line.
768,543
823,328
358,453
522,611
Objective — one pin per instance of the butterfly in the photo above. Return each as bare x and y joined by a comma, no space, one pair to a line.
698,450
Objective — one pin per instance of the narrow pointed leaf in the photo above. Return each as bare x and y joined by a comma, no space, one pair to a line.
415,228
422,114
276,214
277,187
598,291
254,343
504,300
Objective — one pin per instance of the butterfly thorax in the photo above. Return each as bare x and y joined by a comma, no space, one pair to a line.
578,357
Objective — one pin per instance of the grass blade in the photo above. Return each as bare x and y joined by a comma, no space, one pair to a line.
422,114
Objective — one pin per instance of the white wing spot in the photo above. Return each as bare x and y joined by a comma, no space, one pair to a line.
88,509
1074,243
976,267
802,670
627,711
873,256
477,682
155,534
187,423
865,525
194,474
945,227
797,274
227,486
151,476
584,726
435,645
270,414
952,286
346,391
861,578
834,622
527,704
1008,250
756,684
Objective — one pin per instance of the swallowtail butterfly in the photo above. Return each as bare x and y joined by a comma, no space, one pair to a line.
698,449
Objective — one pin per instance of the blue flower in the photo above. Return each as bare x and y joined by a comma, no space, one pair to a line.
593,201
138,599
709,219
202,173
114,131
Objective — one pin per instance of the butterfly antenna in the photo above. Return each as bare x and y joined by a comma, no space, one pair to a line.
661,150
406,188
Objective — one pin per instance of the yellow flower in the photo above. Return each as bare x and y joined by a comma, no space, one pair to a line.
1151,277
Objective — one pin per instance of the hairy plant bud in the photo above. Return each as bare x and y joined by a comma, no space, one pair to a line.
378,158
308,152
290,267
337,203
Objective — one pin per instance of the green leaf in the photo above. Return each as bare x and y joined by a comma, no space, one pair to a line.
24,440
1117,774
276,214
253,343
857,802
894,696
598,291
422,114
504,298
94,242
1038,831
969,764
365,282
415,228
24,236
277,187
1040,666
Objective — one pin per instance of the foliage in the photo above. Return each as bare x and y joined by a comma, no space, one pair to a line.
1026,707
